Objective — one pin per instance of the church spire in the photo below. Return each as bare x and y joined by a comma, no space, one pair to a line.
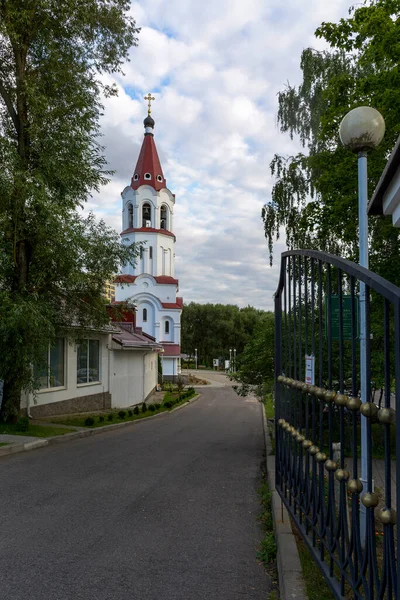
148,167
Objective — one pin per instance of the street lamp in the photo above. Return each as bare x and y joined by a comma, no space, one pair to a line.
230,360
195,357
362,129
234,360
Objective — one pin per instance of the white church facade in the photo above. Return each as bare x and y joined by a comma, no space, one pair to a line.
147,217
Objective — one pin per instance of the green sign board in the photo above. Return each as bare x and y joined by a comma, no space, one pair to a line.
347,326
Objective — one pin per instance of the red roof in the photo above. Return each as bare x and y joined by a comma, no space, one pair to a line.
166,280
171,349
125,279
148,162
179,301
161,279
171,305
147,230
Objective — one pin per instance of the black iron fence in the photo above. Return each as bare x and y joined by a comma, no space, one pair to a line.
322,425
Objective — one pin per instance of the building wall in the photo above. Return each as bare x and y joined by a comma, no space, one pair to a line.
171,366
72,389
127,377
134,376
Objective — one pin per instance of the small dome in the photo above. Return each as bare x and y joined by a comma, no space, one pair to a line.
149,121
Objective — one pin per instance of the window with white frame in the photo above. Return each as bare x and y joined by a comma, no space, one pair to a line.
51,374
144,315
88,361
166,327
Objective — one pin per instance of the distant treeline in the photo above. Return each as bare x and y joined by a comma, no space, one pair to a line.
215,328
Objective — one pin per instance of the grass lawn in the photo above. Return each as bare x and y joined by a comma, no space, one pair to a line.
4,443
41,431
316,586
269,407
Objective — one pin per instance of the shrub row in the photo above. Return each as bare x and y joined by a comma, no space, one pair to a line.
90,421
183,396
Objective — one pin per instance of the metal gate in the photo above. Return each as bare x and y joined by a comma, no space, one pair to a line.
327,436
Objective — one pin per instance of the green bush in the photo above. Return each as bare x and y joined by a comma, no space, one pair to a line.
191,390
136,410
110,417
267,551
130,413
22,424
101,419
89,421
144,407
168,404
152,407
122,414
157,406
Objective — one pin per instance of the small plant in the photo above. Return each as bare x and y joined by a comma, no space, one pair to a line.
168,404
130,413
191,390
157,406
110,417
122,414
89,421
22,424
101,419
136,410
144,407
267,551
152,408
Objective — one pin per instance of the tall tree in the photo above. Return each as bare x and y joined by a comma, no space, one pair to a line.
315,194
53,261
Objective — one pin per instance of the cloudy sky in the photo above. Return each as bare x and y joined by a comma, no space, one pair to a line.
215,68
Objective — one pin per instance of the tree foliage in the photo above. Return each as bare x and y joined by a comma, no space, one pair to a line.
256,363
53,260
315,193
215,328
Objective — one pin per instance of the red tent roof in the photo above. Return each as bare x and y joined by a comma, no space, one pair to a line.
148,163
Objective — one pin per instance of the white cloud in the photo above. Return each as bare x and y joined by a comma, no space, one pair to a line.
215,70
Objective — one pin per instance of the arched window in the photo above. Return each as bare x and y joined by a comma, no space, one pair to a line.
130,216
166,326
164,217
151,252
144,315
146,215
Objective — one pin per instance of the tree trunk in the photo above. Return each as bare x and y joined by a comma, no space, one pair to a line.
11,402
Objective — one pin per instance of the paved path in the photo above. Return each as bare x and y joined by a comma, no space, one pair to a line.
165,510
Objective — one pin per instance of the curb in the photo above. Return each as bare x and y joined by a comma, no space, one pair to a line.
290,574
59,439
185,404
23,447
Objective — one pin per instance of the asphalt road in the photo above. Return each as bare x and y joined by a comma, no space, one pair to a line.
163,510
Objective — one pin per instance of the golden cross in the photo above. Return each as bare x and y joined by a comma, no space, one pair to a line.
149,97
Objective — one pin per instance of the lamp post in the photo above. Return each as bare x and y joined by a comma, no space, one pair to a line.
195,357
230,360
362,129
234,360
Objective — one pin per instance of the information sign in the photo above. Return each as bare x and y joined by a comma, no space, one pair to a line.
347,324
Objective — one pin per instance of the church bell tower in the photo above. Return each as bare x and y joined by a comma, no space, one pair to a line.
147,216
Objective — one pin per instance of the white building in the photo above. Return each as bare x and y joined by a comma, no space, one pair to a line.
113,368
147,216
386,197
